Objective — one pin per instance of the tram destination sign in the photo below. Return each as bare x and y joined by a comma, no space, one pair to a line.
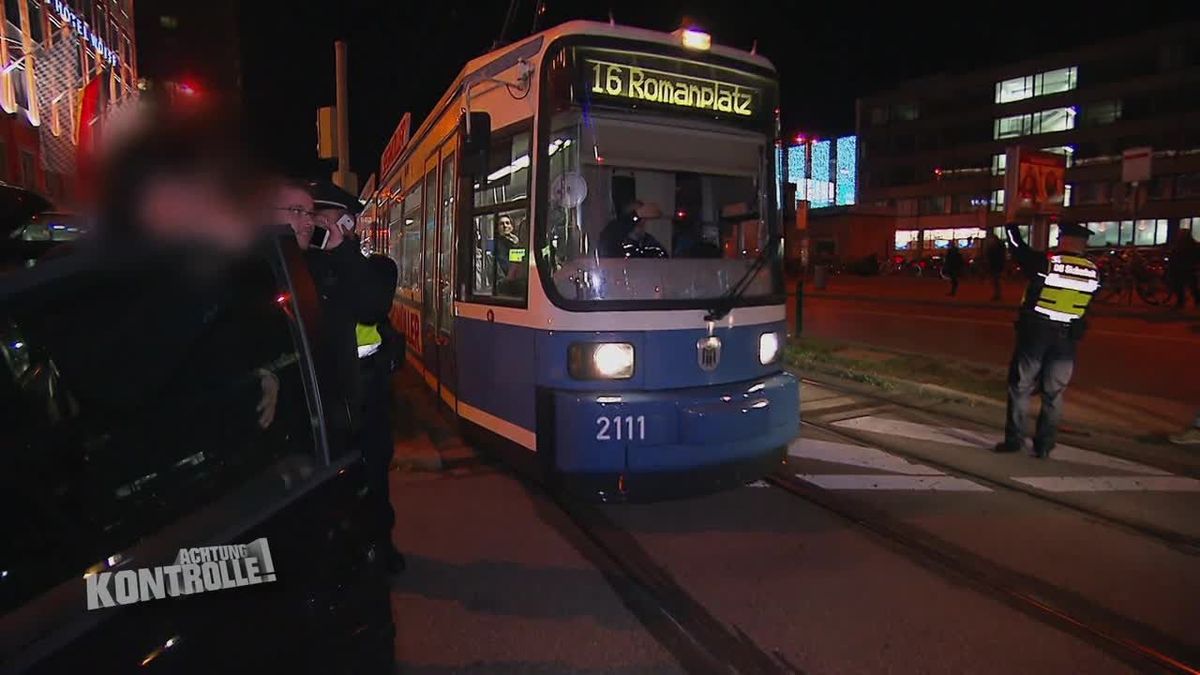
639,83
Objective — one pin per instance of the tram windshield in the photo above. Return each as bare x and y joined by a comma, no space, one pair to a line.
641,211
658,174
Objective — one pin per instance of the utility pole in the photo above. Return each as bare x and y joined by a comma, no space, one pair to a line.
342,177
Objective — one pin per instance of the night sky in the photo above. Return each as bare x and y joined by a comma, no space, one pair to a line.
404,54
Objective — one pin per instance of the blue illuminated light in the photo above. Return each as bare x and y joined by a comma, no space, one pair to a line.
847,170
820,194
797,158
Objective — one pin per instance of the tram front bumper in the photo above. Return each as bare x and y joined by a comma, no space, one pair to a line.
668,431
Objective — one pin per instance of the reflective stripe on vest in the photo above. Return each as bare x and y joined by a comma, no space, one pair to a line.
1067,288
368,338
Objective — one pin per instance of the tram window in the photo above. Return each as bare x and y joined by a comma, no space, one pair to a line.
429,261
446,289
110,439
507,179
501,255
395,235
410,270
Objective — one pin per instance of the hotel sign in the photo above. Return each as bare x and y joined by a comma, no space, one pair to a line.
638,83
85,32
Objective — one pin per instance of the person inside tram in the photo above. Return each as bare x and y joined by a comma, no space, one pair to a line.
639,243
609,244
506,241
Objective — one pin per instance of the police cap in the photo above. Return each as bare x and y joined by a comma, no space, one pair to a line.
1073,230
326,195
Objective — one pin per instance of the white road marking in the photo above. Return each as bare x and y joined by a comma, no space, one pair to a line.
1112,483
857,455
892,482
985,440
758,484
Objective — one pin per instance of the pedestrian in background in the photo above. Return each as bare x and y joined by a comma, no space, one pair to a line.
993,250
953,266
1181,269
1049,325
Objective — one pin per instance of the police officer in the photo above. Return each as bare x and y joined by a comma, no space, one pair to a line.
1050,324
376,350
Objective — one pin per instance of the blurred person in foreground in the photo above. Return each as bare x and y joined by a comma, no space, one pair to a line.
176,216
1049,325
379,348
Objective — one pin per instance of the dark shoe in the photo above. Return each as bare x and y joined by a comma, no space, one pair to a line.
395,561
1005,446
1038,453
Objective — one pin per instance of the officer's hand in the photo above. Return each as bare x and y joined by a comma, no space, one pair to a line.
270,397
336,236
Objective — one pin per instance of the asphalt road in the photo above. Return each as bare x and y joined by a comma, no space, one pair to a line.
1151,355
498,582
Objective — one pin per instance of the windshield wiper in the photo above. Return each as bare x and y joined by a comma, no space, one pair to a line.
730,299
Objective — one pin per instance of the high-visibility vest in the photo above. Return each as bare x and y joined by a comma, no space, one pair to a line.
369,340
1062,293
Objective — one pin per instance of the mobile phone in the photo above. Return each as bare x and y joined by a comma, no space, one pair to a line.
346,222
320,237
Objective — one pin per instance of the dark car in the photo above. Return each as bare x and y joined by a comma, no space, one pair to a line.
151,521
30,227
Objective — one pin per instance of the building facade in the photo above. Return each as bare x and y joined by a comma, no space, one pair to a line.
64,61
933,151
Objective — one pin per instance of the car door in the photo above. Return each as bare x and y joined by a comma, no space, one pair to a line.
130,392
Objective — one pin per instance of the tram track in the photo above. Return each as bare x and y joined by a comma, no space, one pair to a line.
1134,642
1131,641
1178,541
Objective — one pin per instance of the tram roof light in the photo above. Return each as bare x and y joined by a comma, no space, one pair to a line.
695,39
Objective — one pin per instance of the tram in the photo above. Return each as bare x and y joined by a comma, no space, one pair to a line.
587,227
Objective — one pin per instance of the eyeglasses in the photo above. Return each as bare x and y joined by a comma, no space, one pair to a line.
297,210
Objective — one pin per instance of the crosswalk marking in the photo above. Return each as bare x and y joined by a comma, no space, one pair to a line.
860,481
980,439
1112,483
856,455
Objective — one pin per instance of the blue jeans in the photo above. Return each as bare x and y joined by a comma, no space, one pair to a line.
1043,360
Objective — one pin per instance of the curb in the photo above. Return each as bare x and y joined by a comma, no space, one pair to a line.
1099,309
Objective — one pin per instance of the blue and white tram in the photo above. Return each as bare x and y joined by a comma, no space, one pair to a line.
585,227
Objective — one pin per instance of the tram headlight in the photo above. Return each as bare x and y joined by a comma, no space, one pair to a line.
768,348
600,360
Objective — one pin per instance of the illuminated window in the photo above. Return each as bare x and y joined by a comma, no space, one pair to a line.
998,200
1104,233
1053,241
1150,232
1191,225
1067,194
168,22
1028,86
1055,81
1011,127
906,239
999,162
1066,150
1055,119
1016,89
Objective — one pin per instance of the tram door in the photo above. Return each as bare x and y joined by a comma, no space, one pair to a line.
429,259
444,302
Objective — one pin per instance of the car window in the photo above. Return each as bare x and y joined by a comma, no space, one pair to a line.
128,399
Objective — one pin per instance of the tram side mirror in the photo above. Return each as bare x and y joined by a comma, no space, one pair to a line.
476,140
